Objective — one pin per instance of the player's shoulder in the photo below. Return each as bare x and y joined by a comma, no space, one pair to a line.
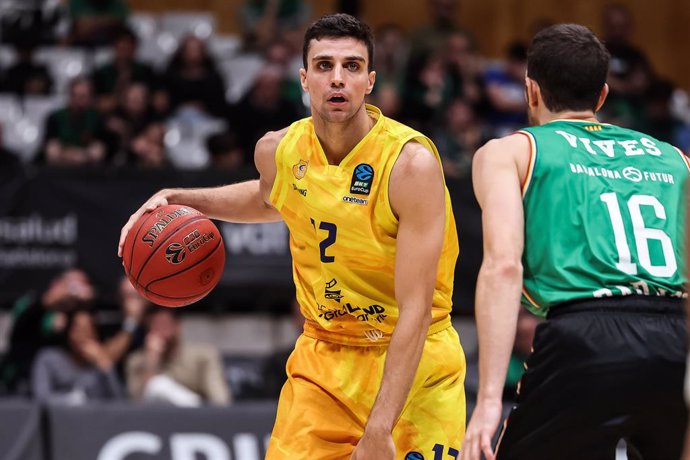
416,159
511,147
268,143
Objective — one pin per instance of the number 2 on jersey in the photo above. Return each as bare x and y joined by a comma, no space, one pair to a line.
327,241
642,235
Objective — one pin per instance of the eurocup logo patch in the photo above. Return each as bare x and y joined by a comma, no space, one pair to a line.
362,178
300,169
414,456
175,253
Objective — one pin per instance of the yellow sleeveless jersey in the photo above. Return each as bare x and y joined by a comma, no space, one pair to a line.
343,232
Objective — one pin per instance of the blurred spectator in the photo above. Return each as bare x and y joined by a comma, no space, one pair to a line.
225,152
193,82
111,79
505,90
626,58
628,108
96,22
429,88
390,61
458,139
263,108
282,55
81,372
39,321
466,67
522,348
75,135
170,370
147,148
432,37
263,21
37,19
662,123
135,129
25,77
131,333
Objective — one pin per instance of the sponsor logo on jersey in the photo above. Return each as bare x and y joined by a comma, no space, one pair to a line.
355,200
331,293
175,253
373,312
630,173
362,178
300,169
414,456
301,191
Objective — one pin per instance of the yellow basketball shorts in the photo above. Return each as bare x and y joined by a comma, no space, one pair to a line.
331,388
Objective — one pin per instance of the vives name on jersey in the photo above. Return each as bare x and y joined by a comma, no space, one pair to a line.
609,147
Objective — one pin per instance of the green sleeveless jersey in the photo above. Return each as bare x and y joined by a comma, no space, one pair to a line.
604,214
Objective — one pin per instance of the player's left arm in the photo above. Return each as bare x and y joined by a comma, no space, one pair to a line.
417,196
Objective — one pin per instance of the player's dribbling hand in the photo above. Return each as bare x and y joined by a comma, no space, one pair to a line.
480,430
157,200
375,446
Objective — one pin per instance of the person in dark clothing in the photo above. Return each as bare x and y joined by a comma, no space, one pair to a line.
110,80
26,77
193,81
79,372
263,108
38,322
74,135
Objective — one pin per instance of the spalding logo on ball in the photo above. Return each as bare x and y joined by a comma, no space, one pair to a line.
174,256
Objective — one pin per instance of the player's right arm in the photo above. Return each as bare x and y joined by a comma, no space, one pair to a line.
243,202
496,174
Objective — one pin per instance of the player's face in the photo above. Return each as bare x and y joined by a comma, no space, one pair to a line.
337,78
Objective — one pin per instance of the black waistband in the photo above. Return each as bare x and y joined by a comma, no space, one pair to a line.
623,304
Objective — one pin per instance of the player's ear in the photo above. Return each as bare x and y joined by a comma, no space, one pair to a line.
303,79
531,92
372,80
602,96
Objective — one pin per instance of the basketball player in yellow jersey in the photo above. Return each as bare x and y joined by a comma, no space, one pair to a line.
378,372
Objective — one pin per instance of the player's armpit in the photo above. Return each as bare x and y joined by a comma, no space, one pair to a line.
265,161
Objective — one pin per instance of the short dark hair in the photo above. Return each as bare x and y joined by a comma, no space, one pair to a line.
570,65
336,26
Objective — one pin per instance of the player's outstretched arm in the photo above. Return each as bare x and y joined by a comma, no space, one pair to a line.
242,202
497,185
418,248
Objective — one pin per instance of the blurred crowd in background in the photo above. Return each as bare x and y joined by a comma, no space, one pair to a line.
86,82
90,82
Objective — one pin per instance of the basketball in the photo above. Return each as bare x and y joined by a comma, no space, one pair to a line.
174,255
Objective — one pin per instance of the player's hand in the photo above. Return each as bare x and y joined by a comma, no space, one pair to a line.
157,200
375,445
480,431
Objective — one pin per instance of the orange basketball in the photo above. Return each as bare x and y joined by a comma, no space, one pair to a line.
174,255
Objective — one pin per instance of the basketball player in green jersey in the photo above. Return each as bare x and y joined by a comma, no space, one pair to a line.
582,224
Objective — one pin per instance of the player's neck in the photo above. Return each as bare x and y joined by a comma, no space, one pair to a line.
584,115
338,139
